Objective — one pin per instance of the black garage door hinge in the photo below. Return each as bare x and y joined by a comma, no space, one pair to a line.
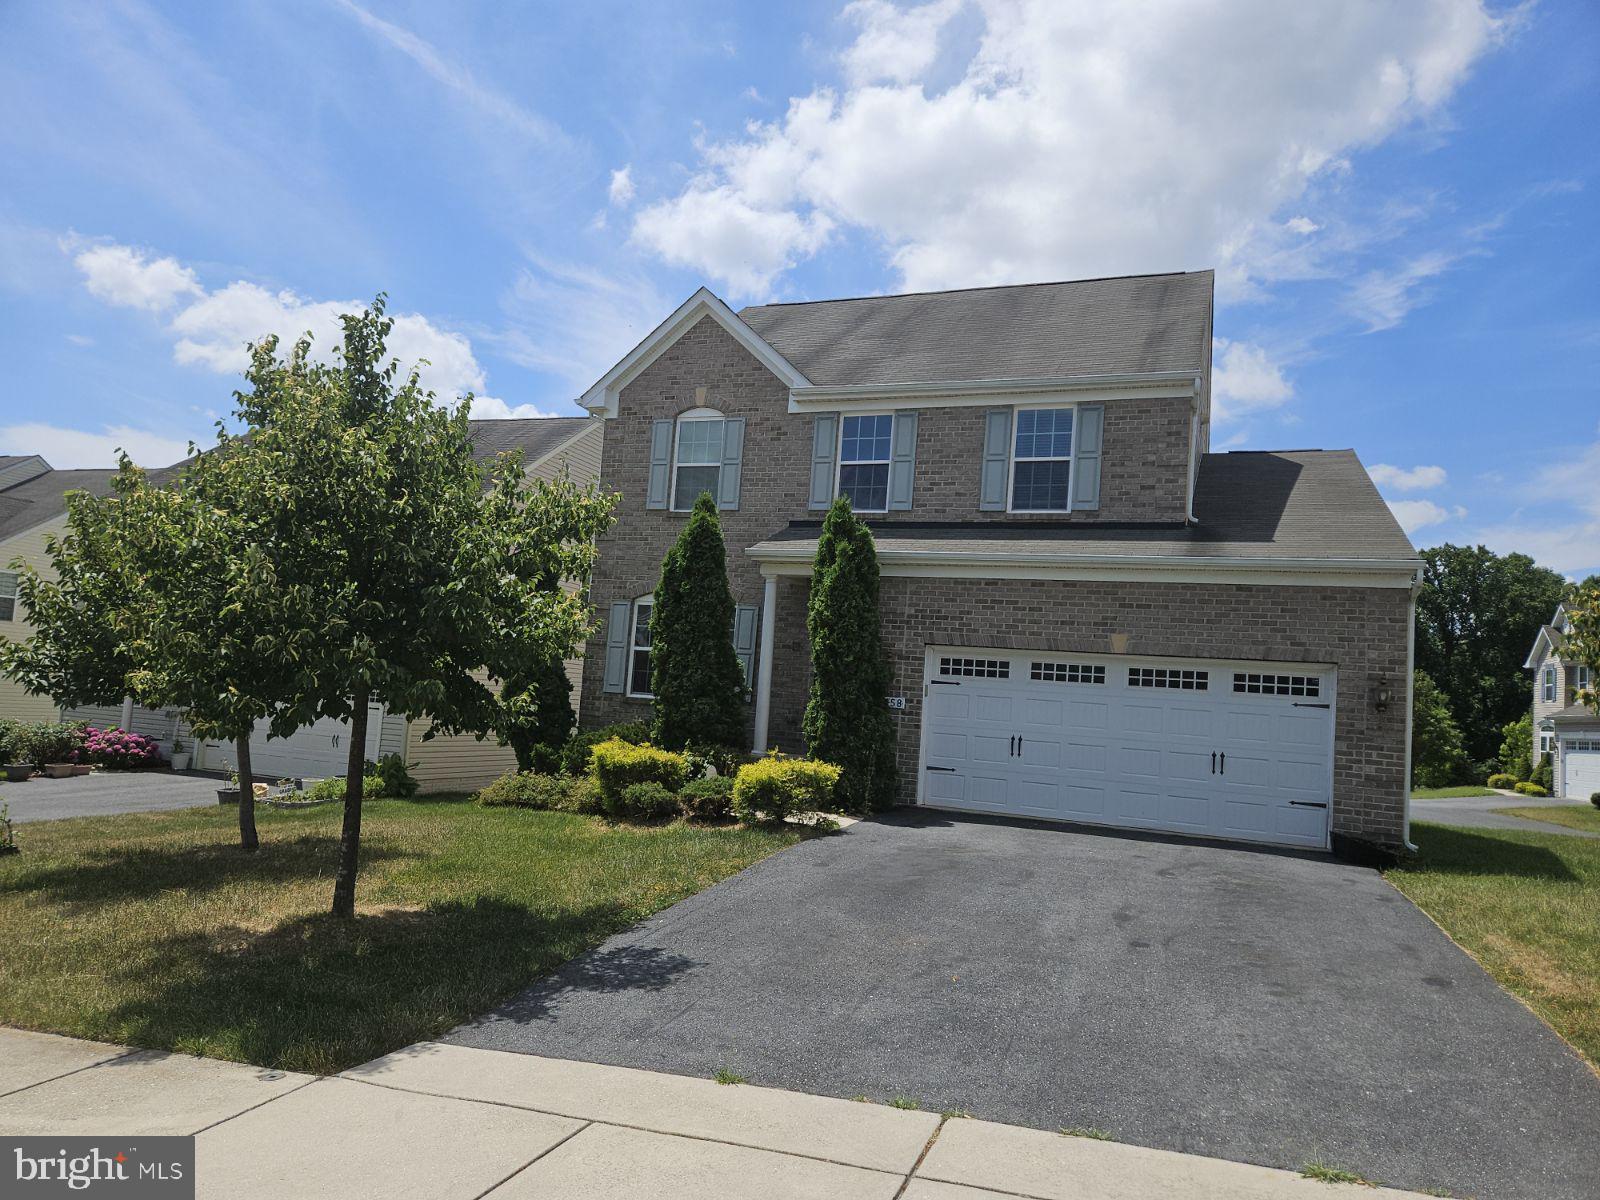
1307,804
950,770
1301,704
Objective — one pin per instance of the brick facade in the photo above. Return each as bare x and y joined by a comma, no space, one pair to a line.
1362,631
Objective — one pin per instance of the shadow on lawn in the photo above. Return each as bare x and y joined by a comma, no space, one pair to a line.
1451,850
119,874
319,994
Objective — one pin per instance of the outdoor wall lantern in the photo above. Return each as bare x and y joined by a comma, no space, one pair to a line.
1382,693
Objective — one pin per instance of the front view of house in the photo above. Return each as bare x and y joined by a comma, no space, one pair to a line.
1090,618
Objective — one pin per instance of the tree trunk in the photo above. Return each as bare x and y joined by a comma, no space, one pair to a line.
344,883
247,796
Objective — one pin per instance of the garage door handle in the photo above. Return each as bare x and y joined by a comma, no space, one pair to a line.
1307,804
1224,767
1213,762
946,770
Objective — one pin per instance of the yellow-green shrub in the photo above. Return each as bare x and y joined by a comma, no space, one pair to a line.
1530,789
617,765
775,787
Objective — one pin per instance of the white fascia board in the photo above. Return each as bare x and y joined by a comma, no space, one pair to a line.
1540,642
977,392
601,398
1383,573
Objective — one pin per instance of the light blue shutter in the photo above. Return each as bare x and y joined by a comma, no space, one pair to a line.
824,449
903,463
617,646
996,460
745,619
660,463
732,463
1086,456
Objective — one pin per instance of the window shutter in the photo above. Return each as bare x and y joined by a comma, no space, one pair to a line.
1086,456
732,463
996,460
745,619
660,463
824,450
617,631
903,463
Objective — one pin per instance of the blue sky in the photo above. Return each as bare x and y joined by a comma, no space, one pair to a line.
1400,202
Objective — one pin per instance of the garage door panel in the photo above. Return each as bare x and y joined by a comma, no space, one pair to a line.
989,748
1088,715
1084,757
1144,718
1191,765
1038,753
1039,797
1188,720
1081,800
1139,806
1044,714
949,702
992,708
1188,810
1138,761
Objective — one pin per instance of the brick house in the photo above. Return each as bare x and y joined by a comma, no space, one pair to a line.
1564,729
1090,617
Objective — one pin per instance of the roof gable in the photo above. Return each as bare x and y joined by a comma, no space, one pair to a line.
601,398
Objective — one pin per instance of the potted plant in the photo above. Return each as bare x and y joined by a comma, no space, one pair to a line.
14,751
58,749
180,755
229,794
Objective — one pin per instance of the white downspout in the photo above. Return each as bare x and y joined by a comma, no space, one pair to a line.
1411,678
769,620
125,722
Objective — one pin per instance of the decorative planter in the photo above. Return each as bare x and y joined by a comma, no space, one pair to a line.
82,768
60,770
180,762
18,772
227,795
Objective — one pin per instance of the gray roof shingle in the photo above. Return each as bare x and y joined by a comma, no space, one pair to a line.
1290,505
1127,325
534,436
36,500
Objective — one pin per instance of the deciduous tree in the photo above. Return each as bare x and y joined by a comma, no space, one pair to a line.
1436,756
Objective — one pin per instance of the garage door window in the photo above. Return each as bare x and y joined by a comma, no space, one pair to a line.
976,668
1060,672
1583,745
1169,677
1252,684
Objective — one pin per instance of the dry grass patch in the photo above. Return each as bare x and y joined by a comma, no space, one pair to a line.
154,929
1566,815
1527,906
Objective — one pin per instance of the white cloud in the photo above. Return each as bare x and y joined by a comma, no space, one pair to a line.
490,407
1383,298
66,449
1244,379
1419,514
1563,531
80,339
1404,479
621,190
1079,140
894,44
128,278
1301,225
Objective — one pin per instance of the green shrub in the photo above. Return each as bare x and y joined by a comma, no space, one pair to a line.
709,799
575,754
1594,799
525,789
619,765
1503,781
393,778
333,789
49,742
775,787
8,741
715,760
583,796
646,802
1530,789
1543,774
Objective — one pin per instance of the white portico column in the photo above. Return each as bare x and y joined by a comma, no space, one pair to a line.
769,621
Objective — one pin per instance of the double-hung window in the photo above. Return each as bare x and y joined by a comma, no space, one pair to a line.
1041,460
8,596
865,449
697,457
1549,683
1583,677
639,648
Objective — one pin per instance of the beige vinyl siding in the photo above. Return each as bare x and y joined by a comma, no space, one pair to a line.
455,762
16,704
579,458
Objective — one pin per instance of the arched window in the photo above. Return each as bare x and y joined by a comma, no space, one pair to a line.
639,647
696,456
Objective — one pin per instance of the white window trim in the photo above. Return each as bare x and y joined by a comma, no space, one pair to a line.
694,414
839,463
1548,685
8,591
634,647
1011,460
1547,743
1582,676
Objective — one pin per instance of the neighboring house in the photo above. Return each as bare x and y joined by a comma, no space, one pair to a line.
1564,729
1089,617
35,508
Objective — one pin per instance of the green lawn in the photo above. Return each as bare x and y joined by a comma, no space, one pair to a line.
1567,815
1524,904
156,930
1451,793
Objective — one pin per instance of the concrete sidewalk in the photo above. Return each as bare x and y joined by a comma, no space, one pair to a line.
444,1122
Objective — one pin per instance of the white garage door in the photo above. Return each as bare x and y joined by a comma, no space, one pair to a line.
316,751
1581,774
1216,749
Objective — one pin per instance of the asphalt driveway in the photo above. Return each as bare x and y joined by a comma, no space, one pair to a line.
105,792
1477,812
1270,1008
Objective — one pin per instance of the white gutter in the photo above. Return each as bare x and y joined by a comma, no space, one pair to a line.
1411,676
804,552
967,387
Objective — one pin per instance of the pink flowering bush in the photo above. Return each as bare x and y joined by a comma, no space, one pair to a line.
120,748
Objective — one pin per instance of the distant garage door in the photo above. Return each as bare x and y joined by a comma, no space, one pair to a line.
319,750
1580,776
1240,750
